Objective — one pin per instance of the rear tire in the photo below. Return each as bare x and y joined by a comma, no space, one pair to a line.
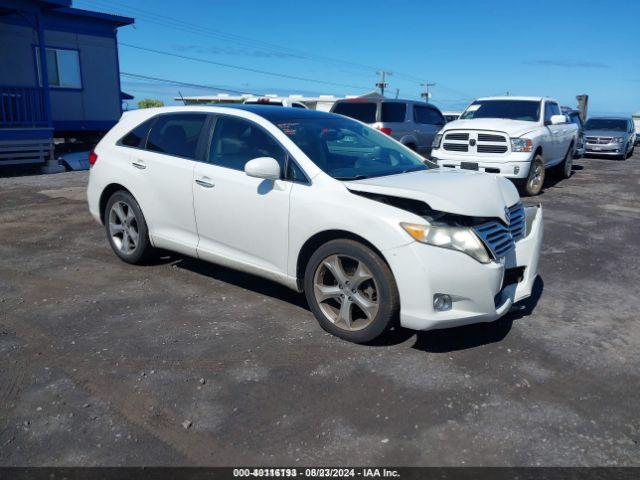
351,291
535,179
126,228
563,170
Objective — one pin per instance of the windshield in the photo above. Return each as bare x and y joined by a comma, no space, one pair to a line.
363,111
606,124
527,110
348,150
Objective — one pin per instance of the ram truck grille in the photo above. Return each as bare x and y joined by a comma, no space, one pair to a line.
474,142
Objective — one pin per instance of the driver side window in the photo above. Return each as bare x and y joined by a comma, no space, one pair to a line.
236,141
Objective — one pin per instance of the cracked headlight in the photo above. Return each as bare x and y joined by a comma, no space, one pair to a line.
521,145
462,239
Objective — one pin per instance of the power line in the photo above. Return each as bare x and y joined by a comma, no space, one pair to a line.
182,84
246,41
238,67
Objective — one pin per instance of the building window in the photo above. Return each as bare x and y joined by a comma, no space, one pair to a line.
63,68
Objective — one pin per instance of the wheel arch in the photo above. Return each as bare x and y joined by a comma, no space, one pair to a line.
106,194
319,239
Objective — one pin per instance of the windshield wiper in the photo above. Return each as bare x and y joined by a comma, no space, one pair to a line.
355,177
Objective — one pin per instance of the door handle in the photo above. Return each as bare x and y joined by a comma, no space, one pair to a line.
204,183
138,164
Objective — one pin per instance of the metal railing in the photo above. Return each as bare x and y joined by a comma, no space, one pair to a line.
22,107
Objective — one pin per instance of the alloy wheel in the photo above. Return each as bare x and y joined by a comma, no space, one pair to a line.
346,292
123,227
535,180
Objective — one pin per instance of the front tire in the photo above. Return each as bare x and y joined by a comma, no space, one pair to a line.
351,291
535,179
126,228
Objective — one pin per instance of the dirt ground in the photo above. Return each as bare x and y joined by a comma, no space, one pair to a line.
187,363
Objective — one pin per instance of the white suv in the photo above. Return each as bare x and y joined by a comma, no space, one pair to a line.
322,204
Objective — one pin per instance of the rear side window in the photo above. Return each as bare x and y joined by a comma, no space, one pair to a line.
393,112
176,134
137,136
427,115
363,111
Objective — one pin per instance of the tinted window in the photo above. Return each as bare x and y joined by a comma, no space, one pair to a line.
606,124
427,115
176,134
348,150
236,141
393,112
363,111
550,110
527,110
298,105
137,136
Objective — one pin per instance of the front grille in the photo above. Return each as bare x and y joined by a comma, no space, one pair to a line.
457,136
496,237
491,148
499,238
456,147
517,221
599,140
487,137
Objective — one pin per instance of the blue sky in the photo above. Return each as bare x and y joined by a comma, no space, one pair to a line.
468,48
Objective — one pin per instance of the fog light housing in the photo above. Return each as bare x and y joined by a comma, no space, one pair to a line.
516,170
441,302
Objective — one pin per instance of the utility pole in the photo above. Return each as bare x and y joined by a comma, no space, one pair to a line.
382,84
397,93
426,94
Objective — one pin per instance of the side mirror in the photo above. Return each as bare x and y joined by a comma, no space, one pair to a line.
263,167
558,119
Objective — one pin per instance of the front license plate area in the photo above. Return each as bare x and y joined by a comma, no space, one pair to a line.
469,165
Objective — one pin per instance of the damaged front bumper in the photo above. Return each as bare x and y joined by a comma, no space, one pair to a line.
479,292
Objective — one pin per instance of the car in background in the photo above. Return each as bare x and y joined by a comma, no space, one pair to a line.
412,123
274,102
451,116
320,203
610,136
516,137
574,117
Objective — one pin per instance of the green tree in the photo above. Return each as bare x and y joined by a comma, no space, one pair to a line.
150,103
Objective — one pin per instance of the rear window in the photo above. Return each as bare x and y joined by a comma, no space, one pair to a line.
363,111
176,134
137,136
393,112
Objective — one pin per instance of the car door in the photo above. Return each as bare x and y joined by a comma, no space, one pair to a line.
242,221
163,175
553,135
428,122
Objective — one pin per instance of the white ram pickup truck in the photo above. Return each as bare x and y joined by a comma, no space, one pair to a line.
516,137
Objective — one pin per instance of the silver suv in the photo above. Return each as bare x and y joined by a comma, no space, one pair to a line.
613,136
412,123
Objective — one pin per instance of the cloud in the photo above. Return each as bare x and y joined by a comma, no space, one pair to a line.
234,51
569,64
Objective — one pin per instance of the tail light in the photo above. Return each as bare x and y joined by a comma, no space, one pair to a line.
93,158
385,130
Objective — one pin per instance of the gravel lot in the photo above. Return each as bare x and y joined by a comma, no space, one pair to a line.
187,363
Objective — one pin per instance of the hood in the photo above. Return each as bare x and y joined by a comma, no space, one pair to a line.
460,192
605,133
513,128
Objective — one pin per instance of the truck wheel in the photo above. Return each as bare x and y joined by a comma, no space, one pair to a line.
535,179
563,170
351,291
